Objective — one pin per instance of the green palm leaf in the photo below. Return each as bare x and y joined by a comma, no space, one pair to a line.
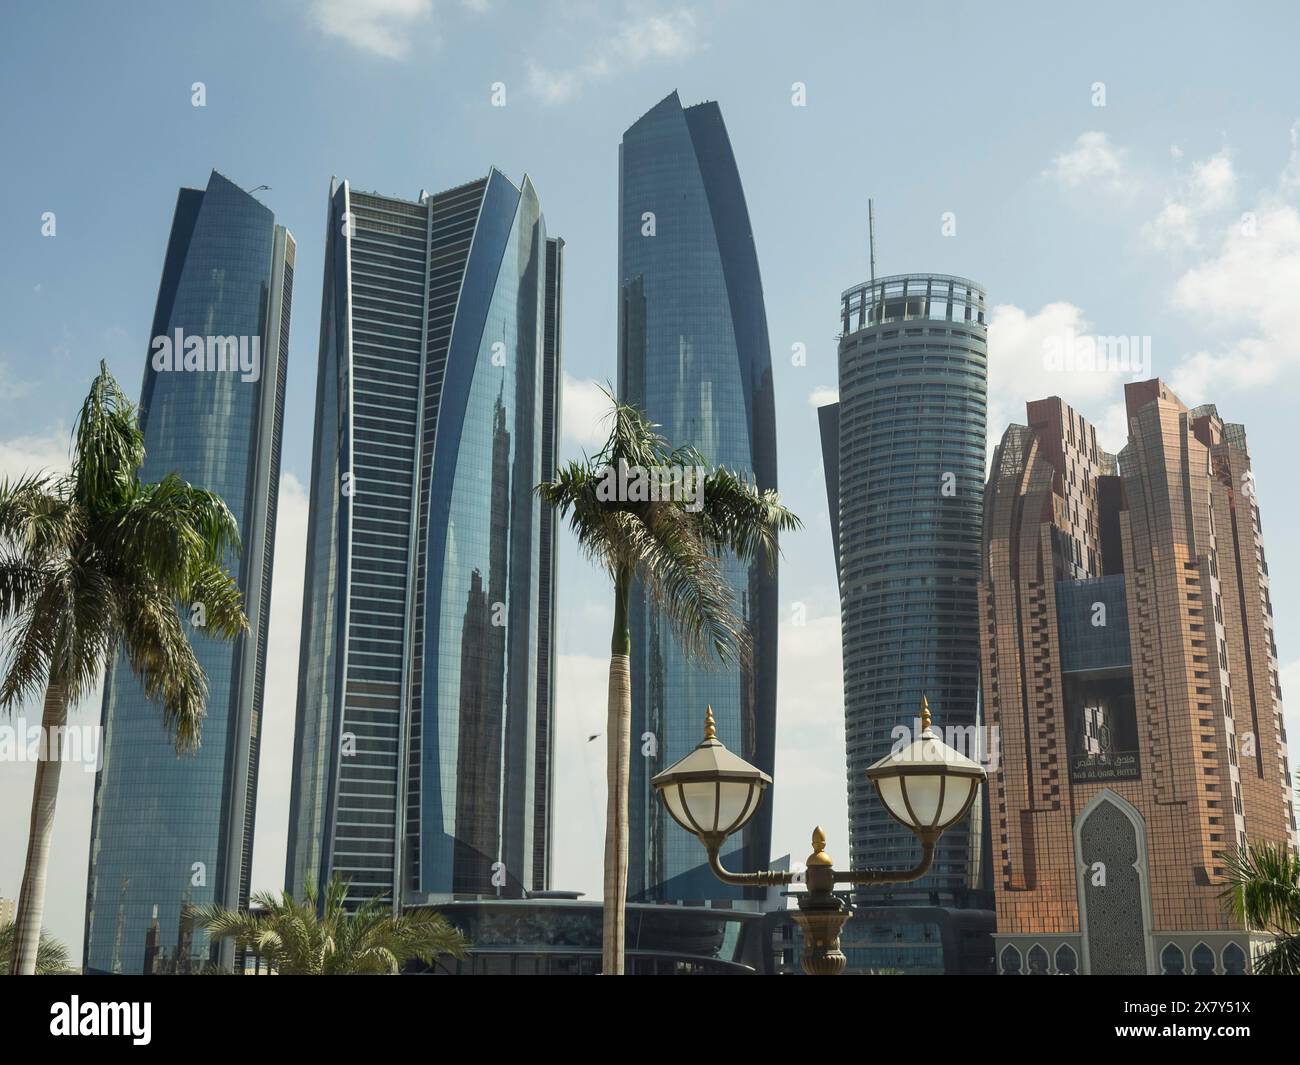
96,560
297,939
1263,893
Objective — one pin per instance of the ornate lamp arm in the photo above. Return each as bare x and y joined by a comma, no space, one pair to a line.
762,879
890,876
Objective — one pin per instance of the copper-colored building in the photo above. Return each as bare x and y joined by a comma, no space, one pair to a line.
1129,668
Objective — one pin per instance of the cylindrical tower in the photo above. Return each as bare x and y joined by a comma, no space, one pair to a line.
913,367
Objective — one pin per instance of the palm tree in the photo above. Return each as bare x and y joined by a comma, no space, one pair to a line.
674,548
1264,893
92,561
51,955
303,939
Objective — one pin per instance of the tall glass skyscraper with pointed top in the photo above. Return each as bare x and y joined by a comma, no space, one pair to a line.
171,831
693,353
422,757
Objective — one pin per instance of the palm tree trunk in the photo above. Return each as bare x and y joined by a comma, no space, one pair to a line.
618,756
31,900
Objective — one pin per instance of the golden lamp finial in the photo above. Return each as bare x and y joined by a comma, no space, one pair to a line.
710,728
925,713
819,855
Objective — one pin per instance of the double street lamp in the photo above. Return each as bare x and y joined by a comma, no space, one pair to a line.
926,786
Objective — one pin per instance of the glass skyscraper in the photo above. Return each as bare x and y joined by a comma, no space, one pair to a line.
169,831
423,748
904,454
693,354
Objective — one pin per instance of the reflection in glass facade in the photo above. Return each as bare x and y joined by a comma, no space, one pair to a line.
905,448
693,353
1092,619
168,831
422,758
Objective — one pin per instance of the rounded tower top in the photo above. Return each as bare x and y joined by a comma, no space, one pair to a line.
906,297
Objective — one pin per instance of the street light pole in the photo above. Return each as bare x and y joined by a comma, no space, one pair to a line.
926,786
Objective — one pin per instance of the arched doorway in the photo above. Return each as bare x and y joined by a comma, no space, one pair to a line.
1113,884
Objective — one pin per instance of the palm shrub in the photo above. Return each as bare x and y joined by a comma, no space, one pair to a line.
1264,893
93,561
302,938
675,552
51,955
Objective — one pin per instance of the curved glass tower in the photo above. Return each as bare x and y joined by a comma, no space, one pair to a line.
693,353
909,463
421,756
169,831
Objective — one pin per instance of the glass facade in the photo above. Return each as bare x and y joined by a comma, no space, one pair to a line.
693,353
1092,618
554,937
908,463
422,766
168,830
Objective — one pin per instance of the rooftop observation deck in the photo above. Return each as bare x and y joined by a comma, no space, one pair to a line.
907,297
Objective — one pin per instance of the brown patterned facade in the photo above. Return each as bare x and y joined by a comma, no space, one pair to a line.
1129,669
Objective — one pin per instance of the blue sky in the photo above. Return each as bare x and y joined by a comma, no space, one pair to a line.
1170,212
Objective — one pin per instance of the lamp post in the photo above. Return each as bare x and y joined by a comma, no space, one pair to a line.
926,786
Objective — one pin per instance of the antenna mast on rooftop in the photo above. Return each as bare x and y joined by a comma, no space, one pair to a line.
871,237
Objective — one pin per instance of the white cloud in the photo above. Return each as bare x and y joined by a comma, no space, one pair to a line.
822,395
1092,161
648,39
809,781
280,699
1213,182
1244,289
1210,186
29,454
584,417
380,27
581,683
1247,286
1239,277
1021,369
1288,181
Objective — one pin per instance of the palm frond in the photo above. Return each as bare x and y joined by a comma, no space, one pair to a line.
745,520
37,515
20,580
176,527
1282,958
684,580
108,446
674,547
28,651
299,938
1263,886
52,957
215,590
160,654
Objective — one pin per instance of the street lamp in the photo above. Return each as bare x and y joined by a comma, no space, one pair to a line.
926,786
